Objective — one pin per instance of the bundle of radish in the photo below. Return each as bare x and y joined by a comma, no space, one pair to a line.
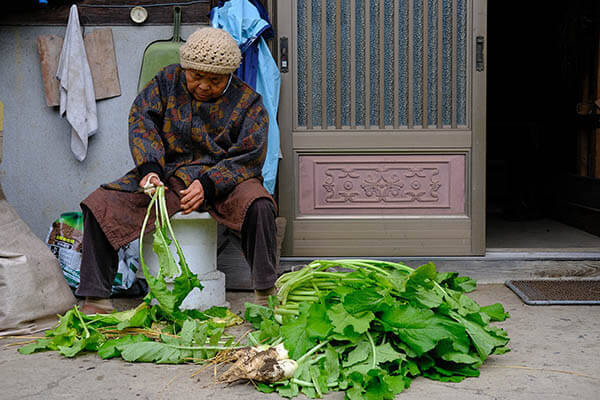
368,327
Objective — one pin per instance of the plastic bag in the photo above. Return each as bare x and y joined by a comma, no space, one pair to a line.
65,239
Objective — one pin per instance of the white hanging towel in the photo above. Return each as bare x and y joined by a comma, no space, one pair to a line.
77,98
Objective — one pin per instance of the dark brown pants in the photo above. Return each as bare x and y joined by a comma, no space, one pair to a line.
99,260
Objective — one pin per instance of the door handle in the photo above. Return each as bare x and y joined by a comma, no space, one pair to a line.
479,64
283,54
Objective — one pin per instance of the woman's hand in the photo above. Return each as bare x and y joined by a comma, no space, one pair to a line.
192,197
149,182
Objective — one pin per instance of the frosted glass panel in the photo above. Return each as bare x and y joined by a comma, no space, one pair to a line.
424,45
447,62
418,62
461,61
346,61
432,59
402,64
388,63
302,56
359,62
375,67
331,61
317,77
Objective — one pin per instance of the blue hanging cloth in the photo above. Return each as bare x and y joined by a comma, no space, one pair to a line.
249,25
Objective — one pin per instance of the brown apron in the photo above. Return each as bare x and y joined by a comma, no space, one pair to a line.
121,214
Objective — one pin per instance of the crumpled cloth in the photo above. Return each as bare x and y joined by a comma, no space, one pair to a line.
77,98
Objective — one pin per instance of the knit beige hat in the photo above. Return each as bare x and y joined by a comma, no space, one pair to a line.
210,50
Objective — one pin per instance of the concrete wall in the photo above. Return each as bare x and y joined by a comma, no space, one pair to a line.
39,175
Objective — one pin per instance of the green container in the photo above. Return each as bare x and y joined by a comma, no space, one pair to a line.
161,53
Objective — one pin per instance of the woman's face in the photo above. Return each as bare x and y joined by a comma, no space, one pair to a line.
205,86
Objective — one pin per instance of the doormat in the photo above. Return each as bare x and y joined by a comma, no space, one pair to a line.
555,292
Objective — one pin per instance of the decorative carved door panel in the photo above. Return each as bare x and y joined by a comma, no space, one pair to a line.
382,120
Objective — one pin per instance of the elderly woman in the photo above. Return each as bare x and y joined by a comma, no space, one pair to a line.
202,133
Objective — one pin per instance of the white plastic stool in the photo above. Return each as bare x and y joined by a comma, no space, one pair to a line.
197,235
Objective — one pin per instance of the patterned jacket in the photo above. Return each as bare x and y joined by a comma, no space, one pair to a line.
221,143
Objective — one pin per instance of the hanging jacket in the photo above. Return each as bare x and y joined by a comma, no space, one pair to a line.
243,21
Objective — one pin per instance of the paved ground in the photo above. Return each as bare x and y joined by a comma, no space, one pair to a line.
555,355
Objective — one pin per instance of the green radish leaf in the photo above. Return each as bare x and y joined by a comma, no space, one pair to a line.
332,365
151,352
436,376
386,353
426,297
160,245
421,329
443,278
495,312
269,331
355,393
219,312
168,299
341,319
140,319
309,392
501,350
263,387
360,353
454,370
110,348
376,388
94,341
71,351
485,342
188,331
255,314
296,337
289,390
425,275
412,368
318,324
464,283
396,383
467,305
452,281
65,325
446,351
318,379
363,367
362,300
39,345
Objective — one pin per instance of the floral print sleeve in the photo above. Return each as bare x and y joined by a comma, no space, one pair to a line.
145,126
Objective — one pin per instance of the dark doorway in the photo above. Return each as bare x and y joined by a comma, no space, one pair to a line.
543,158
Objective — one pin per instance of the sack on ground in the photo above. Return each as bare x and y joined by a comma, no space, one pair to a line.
32,288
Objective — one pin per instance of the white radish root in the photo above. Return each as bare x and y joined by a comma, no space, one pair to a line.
261,364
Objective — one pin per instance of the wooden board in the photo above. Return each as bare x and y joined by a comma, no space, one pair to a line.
100,50
49,47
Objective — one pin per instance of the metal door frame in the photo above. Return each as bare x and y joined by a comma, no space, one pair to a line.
476,117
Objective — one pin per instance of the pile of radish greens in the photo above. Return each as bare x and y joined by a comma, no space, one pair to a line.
368,327
365,327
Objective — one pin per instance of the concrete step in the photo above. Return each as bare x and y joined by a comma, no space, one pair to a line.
498,266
